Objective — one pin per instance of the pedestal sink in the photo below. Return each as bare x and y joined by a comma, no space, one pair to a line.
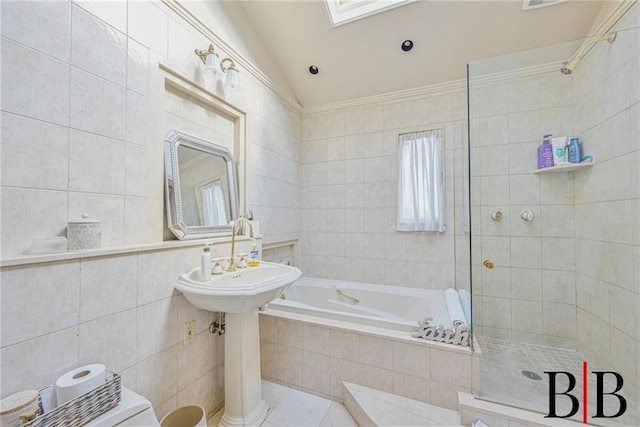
239,294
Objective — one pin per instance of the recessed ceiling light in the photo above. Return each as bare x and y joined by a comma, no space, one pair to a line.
407,45
313,69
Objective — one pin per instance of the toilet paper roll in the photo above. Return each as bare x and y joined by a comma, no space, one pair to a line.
79,381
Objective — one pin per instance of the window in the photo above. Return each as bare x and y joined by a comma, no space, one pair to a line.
213,206
420,182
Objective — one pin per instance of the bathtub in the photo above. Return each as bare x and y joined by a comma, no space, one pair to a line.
389,307
315,339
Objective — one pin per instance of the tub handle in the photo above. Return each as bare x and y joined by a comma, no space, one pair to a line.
349,297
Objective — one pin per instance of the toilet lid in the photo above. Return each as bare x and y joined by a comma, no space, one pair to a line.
130,404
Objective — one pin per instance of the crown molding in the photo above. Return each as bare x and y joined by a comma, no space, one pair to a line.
247,65
389,96
434,89
517,73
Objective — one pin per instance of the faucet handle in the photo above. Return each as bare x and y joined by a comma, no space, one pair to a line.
242,262
217,269
527,215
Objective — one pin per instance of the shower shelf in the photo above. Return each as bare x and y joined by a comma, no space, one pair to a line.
564,168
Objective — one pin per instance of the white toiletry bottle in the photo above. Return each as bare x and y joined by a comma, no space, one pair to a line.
205,267
559,153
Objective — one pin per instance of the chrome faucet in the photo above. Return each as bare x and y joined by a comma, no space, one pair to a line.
232,264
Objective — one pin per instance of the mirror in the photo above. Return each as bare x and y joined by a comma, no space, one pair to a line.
200,185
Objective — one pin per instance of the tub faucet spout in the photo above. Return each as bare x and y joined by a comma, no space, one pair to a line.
232,265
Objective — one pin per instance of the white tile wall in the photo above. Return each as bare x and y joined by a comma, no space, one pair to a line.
608,291
102,96
349,181
137,118
38,301
39,84
79,134
137,66
46,208
22,141
116,347
148,25
110,60
43,26
99,300
97,106
96,164
57,316
37,362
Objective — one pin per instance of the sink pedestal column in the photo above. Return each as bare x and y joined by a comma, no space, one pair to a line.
243,404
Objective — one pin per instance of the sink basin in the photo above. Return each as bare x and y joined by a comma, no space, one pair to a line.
239,294
240,291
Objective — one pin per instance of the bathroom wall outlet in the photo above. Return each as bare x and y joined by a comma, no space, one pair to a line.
189,332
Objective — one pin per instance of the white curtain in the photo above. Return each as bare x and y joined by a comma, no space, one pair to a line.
213,207
420,182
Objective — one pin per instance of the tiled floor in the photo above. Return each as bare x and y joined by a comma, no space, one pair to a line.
294,408
502,381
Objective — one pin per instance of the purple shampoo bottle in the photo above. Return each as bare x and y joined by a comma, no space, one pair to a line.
545,153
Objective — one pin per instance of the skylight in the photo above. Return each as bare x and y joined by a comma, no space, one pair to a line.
534,4
345,11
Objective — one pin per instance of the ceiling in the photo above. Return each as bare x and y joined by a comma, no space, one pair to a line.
363,58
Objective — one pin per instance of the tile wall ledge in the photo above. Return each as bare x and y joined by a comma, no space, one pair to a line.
274,244
19,260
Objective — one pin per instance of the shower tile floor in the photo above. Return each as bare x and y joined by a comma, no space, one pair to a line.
294,408
501,379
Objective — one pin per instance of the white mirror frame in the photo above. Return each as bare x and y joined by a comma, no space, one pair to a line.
173,140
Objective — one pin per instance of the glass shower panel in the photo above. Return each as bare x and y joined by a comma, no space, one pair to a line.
550,287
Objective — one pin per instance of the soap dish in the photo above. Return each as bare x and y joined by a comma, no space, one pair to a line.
49,245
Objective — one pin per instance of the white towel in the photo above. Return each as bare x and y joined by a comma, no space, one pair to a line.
456,314
465,300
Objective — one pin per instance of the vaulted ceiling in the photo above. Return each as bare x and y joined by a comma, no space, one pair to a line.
364,58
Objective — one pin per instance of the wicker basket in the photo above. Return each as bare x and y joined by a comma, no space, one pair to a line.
81,410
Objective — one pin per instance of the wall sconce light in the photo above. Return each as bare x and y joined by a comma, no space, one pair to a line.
216,68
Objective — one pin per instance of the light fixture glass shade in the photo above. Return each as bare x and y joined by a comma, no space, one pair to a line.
232,82
212,66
